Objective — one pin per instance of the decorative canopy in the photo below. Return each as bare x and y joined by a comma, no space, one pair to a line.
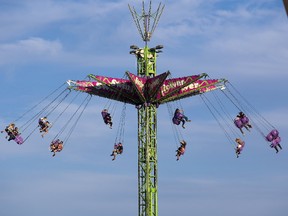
138,90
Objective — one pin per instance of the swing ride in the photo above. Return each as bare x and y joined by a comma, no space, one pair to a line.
146,91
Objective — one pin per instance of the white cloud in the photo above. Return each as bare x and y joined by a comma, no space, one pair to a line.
29,50
23,17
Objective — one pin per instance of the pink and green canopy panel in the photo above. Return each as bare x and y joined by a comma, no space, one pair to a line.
138,90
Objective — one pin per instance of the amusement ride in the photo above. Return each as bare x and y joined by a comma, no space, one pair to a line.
146,90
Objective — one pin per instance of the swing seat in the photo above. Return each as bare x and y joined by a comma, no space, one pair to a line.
244,120
269,137
19,140
274,133
275,142
177,118
176,121
238,123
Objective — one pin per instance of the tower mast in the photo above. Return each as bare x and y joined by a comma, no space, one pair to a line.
147,114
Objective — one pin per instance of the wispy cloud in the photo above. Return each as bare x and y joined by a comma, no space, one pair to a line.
32,49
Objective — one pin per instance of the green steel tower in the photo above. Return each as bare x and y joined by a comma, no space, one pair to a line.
147,115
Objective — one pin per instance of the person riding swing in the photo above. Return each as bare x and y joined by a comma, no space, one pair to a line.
10,130
241,121
13,133
107,118
56,146
44,125
240,146
181,150
118,149
275,140
180,117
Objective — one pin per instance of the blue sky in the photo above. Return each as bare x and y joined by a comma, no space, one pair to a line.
44,43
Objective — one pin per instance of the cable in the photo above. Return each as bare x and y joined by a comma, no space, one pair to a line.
34,118
70,119
176,132
38,103
53,122
121,127
77,120
205,100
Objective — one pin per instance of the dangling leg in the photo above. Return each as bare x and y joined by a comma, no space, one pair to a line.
183,123
114,153
276,149
237,152
186,119
247,128
114,156
45,131
177,155
42,127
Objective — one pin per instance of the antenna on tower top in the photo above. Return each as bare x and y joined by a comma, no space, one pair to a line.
146,30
